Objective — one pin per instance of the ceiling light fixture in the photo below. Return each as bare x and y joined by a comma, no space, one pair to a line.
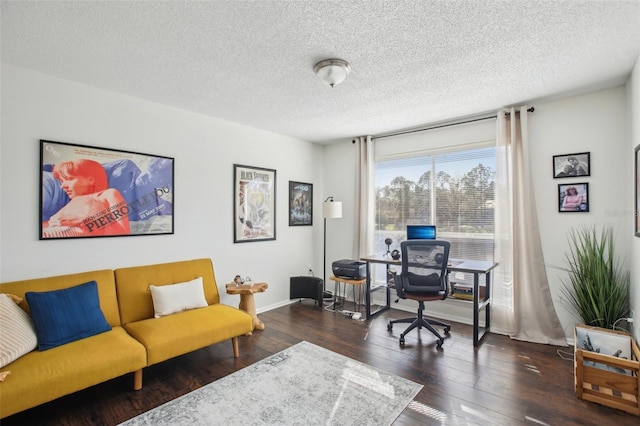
332,71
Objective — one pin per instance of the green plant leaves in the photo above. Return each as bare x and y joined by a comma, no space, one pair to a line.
598,288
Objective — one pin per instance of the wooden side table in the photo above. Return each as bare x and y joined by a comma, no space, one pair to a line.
357,282
247,303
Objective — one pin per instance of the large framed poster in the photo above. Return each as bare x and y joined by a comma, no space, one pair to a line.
86,191
254,205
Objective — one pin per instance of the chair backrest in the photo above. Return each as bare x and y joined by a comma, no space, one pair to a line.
424,265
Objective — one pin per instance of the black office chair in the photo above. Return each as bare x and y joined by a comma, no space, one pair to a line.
424,277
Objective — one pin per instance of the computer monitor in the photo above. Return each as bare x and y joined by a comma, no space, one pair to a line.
421,232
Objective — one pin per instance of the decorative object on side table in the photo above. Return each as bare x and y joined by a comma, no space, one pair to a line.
247,302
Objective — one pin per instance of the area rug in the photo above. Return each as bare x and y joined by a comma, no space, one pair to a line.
302,385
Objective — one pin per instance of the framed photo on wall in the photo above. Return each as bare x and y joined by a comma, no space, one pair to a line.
637,190
573,197
572,165
254,205
86,192
300,204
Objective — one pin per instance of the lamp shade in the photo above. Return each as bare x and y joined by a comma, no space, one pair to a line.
332,209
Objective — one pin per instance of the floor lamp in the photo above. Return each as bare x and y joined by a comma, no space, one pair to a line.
330,210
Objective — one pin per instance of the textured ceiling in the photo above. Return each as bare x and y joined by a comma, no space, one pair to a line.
413,62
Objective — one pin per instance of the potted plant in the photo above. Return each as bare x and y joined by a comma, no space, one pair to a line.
597,290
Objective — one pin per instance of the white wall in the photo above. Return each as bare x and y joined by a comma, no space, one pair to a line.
36,106
595,122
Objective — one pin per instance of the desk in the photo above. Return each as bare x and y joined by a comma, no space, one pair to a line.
475,267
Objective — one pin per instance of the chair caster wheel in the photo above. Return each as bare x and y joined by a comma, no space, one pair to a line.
389,327
439,344
401,340
447,329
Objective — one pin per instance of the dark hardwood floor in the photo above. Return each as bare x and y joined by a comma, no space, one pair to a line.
503,382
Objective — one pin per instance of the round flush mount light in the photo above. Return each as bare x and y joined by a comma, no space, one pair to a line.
332,71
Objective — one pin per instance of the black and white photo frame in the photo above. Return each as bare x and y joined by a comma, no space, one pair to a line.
572,165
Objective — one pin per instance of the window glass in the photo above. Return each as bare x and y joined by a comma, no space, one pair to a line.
453,190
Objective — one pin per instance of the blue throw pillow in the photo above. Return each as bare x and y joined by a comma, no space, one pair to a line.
66,315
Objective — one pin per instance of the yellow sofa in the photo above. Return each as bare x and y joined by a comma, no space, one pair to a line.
136,339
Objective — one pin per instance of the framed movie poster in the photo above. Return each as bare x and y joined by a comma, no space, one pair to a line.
573,197
572,165
254,205
87,192
300,204
637,186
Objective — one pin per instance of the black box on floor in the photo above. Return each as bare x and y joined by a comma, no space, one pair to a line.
305,287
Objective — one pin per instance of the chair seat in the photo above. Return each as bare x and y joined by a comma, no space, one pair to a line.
426,297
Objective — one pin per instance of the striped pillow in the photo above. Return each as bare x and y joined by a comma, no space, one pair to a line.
17,335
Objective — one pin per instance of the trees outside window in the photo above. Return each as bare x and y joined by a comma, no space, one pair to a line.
453,190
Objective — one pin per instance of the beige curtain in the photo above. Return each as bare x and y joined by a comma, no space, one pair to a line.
522,306
364,196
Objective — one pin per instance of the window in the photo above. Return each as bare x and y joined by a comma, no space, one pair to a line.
453,190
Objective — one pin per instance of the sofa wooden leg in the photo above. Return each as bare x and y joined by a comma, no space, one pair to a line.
137,379
236,352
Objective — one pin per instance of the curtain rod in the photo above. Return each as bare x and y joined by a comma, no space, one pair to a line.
445,125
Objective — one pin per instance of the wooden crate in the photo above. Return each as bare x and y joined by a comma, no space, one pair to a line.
602,378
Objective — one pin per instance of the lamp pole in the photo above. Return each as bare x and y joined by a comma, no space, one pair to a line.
330,210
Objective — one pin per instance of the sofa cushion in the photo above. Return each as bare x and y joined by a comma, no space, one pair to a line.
134,297
39,377
183,332
65,315
171,298
17,335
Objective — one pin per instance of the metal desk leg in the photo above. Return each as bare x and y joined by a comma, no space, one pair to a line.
476,309
487,321
481,304
367,293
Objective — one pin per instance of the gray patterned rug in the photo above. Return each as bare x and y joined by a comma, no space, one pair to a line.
302,385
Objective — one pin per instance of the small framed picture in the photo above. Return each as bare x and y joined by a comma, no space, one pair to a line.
637,185
300,204
572,165
573,197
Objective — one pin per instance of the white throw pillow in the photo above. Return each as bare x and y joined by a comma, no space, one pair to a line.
17,334
172,298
